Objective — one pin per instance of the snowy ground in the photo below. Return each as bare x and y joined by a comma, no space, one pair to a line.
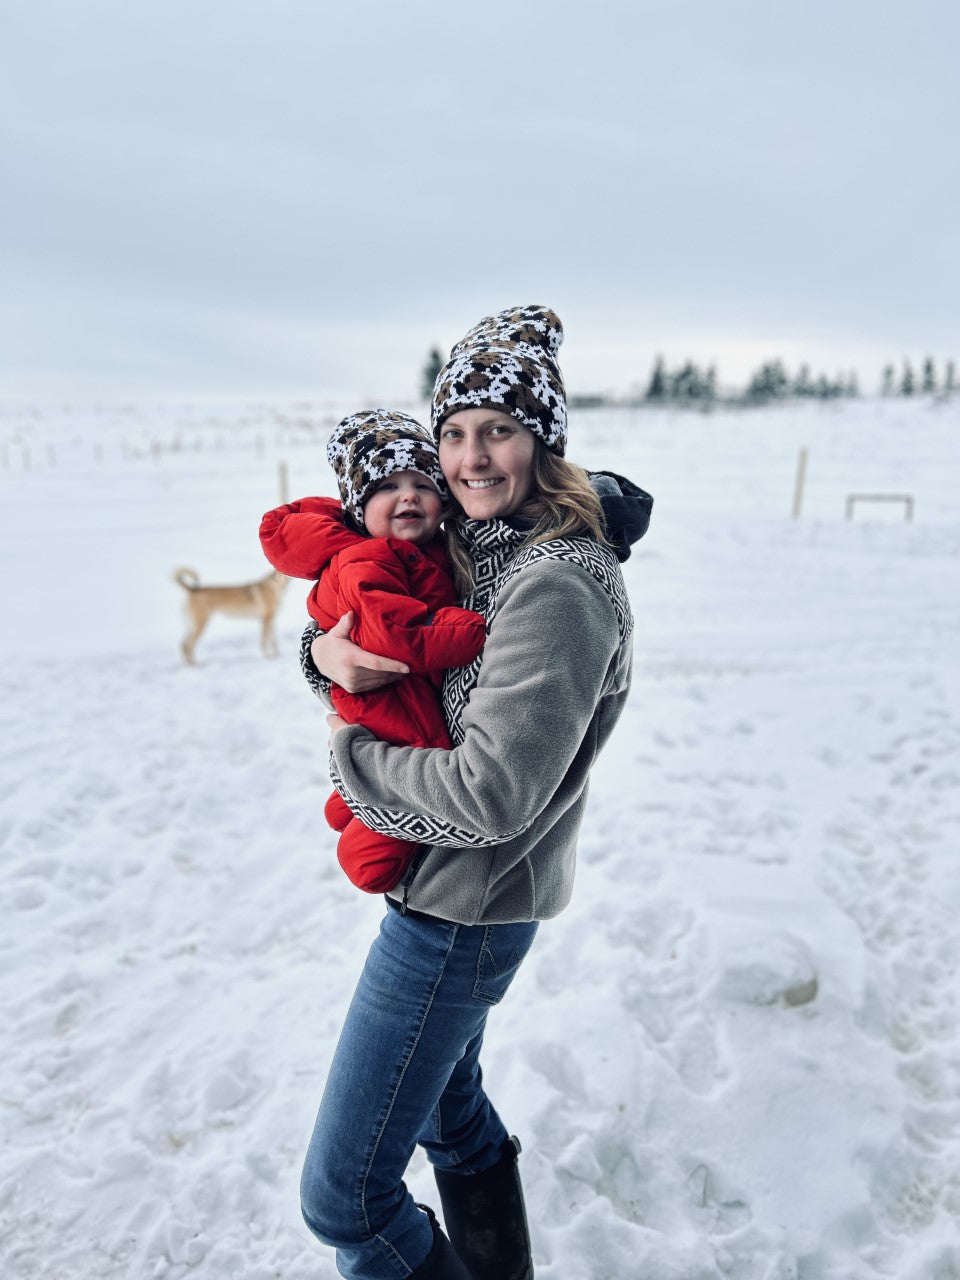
735,1057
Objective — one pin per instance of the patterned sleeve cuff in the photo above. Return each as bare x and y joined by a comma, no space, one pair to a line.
318,682
413,826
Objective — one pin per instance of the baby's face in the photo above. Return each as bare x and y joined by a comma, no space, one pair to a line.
406,505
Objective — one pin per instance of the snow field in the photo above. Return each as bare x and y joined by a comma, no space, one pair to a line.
737,1054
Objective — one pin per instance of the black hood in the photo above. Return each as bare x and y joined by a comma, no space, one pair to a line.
626,510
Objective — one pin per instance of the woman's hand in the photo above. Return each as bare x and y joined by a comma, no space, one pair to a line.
336,724
352,668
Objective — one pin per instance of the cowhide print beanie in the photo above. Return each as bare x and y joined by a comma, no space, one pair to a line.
508,362
367,447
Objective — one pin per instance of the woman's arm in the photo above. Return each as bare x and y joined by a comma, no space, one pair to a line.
552,653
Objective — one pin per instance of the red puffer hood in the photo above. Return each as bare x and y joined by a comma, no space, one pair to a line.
301,538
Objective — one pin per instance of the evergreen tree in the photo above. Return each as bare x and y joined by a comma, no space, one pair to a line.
429,375
853,385
908,383
950,378
657,388
685,384
888,375
691,385
802,386
929,377
770,382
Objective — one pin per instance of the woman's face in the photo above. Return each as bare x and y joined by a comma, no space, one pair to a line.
487,460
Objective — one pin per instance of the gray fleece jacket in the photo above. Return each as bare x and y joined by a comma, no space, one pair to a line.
499,814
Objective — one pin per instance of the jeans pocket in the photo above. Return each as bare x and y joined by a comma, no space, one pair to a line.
501,954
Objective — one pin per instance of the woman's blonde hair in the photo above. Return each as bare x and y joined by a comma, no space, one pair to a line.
562,504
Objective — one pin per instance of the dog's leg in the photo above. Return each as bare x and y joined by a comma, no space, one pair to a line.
268,641
190,640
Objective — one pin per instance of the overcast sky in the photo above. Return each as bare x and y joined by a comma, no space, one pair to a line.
299,196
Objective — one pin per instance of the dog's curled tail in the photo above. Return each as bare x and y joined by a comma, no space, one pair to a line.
187,578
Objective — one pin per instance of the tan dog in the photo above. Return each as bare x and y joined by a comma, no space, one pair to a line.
259,599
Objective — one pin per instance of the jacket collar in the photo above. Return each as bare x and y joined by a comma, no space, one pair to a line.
492,537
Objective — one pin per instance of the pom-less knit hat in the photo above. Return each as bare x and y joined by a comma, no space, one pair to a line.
367,447
509,362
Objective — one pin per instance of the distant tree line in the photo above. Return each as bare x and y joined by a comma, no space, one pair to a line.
772,382
691,386
926,384
687,385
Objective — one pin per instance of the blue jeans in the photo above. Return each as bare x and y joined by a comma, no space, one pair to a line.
406,1070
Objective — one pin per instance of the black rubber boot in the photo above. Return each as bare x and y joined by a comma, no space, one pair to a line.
442,1262
486,1219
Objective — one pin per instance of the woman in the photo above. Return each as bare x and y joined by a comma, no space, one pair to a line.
498,816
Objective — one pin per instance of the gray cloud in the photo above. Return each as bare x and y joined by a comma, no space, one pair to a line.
289,195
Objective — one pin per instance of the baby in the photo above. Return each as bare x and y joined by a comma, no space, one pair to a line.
377,552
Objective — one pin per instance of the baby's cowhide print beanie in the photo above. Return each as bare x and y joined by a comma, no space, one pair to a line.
367,447
508,362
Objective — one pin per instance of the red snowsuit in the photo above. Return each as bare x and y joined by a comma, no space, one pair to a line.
403,599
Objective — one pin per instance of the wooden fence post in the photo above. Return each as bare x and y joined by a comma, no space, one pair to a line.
799,483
